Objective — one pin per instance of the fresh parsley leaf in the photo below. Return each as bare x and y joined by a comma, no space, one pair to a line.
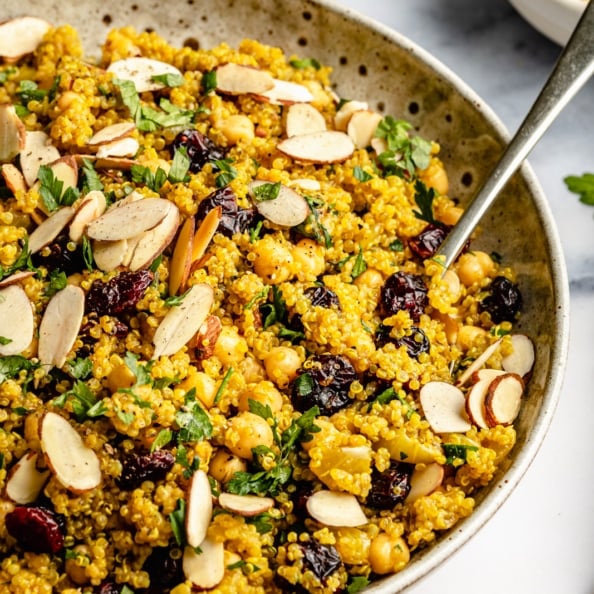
23,261
177,519
360,266
424,197
194,423
175,300
209,82
6,73
267,191
305,63
357,584
255,232
260,295
52,190
29,90
179,166
87,252
4,340
57,281
583,185
12,365
457,453
142,373
163,438
303,384
82,400
126,590
91,177
169,79
313,227
396,246
143,175
360,174
262,522
221,388
79,368
227,172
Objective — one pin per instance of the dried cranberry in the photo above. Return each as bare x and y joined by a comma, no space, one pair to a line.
119,294
322,559
324,383
148,467
390,487
416,341
322,296
426,243
233,219
108,588
403,291
37,529
164,566
62,254
199,148
504,301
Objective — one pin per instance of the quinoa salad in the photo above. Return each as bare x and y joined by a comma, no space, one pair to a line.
230,360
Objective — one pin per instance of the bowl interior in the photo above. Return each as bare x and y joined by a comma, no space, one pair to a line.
396,77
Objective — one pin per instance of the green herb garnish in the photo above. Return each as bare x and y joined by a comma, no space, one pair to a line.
227,172
266,191
456,454
193,421
360,266
300,64
52,190
424,197
583,185
169,79
361,175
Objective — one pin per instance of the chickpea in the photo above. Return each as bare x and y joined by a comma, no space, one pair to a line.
75,565
436,177
246,431
223,465
230,348
370,278
388,554
273,260
120,377
252,370
205,386
263,392
473,267
308,256
66,99
32,427
453,282
451,215
236,128
352,545
468,336
282,364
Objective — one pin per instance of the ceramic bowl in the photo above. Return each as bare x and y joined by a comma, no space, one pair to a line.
396,77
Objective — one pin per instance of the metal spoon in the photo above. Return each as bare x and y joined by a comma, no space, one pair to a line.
572,70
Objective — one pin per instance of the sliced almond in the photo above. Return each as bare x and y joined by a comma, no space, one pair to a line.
12,132
16,320
182,321
130,219
65,169
303,118
344,114
236,79
141,71
424,480
91,207
21,36
379,145
198,508
16,277
486,374
206,338
329,146
124,147
475,403
75,465
111,133
108,255
152,243
60,325
288,209
13,178
181,260
362,126
205,232
117,163
285,92
205,568
478,363
47,231
521,360
245,505
333,508
37,151
444,407
504,399
25,481
309,185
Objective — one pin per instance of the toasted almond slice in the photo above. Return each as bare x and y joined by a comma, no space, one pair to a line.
206,232
362,127
13,178
236,79
205,340
443,405
118,163
329,146
182,321
424,480
21,36
111,133
17,277
60,325
91,207
12,133
130,219
206,568
288,209
24,481
36,152
521,360
141,71
75,465
333,508
344,114
478,363
181,260
379,145
199,508
108,255
16,320
309,185
245,505
285,92
50,228
486,374
123,147
504,399
475,403
65,169
303,118
152,243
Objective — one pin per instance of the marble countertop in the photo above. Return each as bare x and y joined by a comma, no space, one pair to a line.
542,540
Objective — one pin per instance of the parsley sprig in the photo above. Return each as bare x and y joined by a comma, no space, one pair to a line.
583,185
274,312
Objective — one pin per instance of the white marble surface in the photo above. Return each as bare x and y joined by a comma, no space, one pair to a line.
542,540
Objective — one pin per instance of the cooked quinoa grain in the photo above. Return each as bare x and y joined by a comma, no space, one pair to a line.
200,334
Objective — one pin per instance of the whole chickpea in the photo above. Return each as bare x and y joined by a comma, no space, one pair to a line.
388,554
205,386
468,336
473,267
265,393
451,215
282,364
236,128
75,565
223,465
230,348
370,278
273,259
436,177
246,431
252,370
308,256
121,376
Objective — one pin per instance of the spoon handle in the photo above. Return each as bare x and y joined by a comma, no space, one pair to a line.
572,70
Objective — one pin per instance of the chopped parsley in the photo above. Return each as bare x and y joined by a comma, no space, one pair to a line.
424,197
300,64
91,177
163,438
276,312
79,368
4,340
223,385
23,261
177,519
87,252
193,421
83,401
360,266
357,584
360,174
396,246
456,454
583,185
57,281
12,365
169,79
209,82
312,226
267,191
180,165
227,172
52,190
